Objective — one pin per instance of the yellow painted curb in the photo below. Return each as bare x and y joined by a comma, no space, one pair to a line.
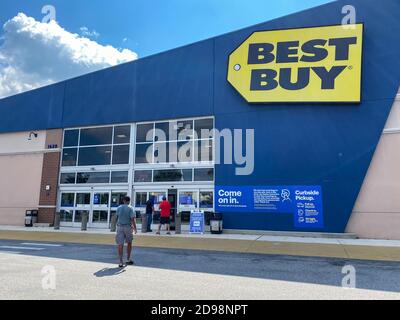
361,252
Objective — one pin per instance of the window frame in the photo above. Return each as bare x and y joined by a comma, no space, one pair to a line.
79,146
193,141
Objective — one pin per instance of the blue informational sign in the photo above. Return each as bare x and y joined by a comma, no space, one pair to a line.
96,198
304,202
186,199
197,222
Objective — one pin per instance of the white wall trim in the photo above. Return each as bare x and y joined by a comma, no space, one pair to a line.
43,151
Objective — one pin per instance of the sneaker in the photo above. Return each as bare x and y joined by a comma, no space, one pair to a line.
168,232
158,232
130,263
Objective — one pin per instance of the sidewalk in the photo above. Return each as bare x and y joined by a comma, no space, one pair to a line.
364,249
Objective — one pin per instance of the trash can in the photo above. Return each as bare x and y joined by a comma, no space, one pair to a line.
35,216
57,221
28,218
144,222
216,223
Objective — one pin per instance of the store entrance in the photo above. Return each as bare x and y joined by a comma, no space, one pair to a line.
172,199
98,204
183,200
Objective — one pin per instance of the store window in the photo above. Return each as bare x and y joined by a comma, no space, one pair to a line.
122,134
143,131
117,199
97,146
68,178
204,128
204,174
141,199
79,214
120,154
185,130
100,216
96,136
67,199
82,199
163,130
93,177
174,141
206,200
101,198
119,177
161,152
143,176
69,157
144,153
187,200
204,150
71,138
172,175
94,156
66,215
157,198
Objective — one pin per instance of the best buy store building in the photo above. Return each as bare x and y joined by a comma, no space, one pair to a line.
322,100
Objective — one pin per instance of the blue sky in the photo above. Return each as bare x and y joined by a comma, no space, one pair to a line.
152,26
90,35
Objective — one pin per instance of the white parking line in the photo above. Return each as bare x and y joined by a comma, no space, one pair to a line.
41,244
20,248
10,252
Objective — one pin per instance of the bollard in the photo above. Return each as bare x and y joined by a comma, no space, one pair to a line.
113,227
178,222
144,222
85,217
57,221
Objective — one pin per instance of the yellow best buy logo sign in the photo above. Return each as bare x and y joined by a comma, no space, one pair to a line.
321,64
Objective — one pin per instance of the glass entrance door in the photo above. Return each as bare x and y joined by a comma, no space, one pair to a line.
100,215
172,199
188,201
97,204
82,207
140,199
117,198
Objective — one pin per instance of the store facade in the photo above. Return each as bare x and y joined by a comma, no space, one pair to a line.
320,142
100,165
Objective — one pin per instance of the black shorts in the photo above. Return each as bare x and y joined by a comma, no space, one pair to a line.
165,220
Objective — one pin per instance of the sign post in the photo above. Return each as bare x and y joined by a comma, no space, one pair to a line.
197,223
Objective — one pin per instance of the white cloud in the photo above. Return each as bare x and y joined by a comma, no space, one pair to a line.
87,33
33,54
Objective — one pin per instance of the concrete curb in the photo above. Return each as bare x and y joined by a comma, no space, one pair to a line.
339,249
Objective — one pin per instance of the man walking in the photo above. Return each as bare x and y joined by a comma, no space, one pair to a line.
126,225
149,213
165,208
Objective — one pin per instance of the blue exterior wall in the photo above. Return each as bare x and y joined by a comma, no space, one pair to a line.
296,144
312,144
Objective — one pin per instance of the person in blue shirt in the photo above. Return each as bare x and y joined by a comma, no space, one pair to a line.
126,225
149,213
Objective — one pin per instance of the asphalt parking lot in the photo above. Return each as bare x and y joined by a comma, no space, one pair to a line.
84,271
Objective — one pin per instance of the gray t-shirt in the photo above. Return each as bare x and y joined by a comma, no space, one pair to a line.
125,214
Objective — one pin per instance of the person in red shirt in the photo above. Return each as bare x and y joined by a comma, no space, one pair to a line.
165,208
